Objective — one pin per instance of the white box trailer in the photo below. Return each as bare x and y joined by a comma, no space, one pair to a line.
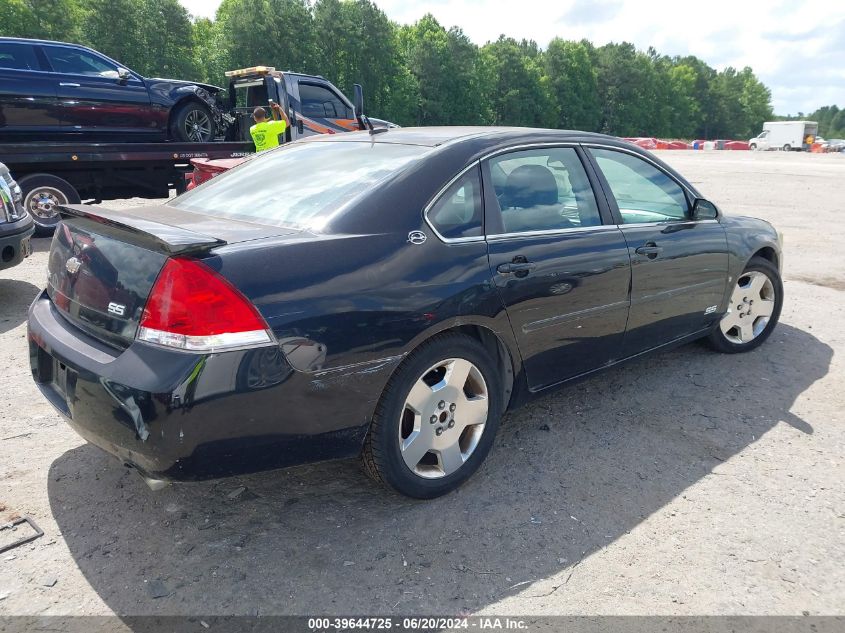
786,135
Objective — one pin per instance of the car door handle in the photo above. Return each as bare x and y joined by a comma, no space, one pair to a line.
515,267
69,84
650,250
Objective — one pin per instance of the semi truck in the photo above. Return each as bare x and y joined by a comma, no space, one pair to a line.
785,135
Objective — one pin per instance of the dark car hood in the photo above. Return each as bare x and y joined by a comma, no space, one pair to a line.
180,82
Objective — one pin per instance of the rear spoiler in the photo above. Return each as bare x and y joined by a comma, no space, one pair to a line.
145,232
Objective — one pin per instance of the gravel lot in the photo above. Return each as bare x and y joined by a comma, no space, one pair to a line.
687,483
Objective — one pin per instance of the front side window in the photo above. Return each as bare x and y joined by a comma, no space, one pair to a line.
318,101
542,190
458,212
72,61
18,56
300,185
643,192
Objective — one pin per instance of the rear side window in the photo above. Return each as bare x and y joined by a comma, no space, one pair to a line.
643,192
543,190
73,61
18,56
318,101
458,212
299,185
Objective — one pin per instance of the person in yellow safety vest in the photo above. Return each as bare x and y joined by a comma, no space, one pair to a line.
265,134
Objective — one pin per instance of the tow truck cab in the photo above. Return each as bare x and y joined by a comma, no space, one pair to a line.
313,104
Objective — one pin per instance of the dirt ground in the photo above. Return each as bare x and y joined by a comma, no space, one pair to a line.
686,483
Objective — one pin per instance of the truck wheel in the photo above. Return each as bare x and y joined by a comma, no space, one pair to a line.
42,194
787,147
193,123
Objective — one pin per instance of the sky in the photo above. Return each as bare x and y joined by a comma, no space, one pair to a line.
796,48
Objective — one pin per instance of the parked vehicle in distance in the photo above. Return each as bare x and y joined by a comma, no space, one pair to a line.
16,227
55,91
785,135
372,306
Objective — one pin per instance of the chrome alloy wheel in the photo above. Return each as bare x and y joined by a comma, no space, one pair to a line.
443,418
41,202
198,126
751,307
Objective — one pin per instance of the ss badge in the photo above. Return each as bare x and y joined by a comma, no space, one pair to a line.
117,308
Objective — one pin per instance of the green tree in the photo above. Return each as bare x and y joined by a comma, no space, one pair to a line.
44,19
573,84
512,82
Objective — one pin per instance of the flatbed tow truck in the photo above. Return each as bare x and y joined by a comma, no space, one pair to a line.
53,174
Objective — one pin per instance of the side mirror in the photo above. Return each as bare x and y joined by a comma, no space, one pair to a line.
358,100
123,76
704,210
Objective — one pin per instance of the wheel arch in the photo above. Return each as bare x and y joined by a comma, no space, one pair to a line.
768,253
504,353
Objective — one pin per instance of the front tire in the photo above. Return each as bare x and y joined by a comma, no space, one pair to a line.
787,148
193,123
754,309
437,418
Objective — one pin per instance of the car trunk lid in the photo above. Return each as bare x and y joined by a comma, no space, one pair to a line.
103,263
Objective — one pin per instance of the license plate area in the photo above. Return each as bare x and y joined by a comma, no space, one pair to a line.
54,378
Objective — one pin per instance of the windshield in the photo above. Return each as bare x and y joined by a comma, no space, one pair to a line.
299,185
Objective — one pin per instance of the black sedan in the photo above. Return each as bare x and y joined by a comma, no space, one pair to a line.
384,295
51,91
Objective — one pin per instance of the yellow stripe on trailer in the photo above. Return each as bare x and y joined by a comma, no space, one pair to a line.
254,70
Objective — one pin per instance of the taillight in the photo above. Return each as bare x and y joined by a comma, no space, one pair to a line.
191,307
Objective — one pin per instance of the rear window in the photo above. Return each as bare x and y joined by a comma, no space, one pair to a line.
299,186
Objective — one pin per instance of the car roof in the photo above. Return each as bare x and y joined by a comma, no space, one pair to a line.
28,40
436,136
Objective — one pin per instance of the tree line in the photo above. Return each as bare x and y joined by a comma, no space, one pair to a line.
417,74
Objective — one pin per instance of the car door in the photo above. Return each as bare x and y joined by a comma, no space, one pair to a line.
560,264
322,109
679,265
28,103
94,101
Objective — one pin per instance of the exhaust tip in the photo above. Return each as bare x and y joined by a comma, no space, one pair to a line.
154,484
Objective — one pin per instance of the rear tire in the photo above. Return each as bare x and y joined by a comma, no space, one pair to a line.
754,310
42,193
787,148
437,418
192,123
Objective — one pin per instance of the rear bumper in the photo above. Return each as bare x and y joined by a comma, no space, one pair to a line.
15,245
183,416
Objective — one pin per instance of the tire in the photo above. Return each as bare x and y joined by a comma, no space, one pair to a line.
192,123
450,449
41,194
752,147
787,148
746,326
